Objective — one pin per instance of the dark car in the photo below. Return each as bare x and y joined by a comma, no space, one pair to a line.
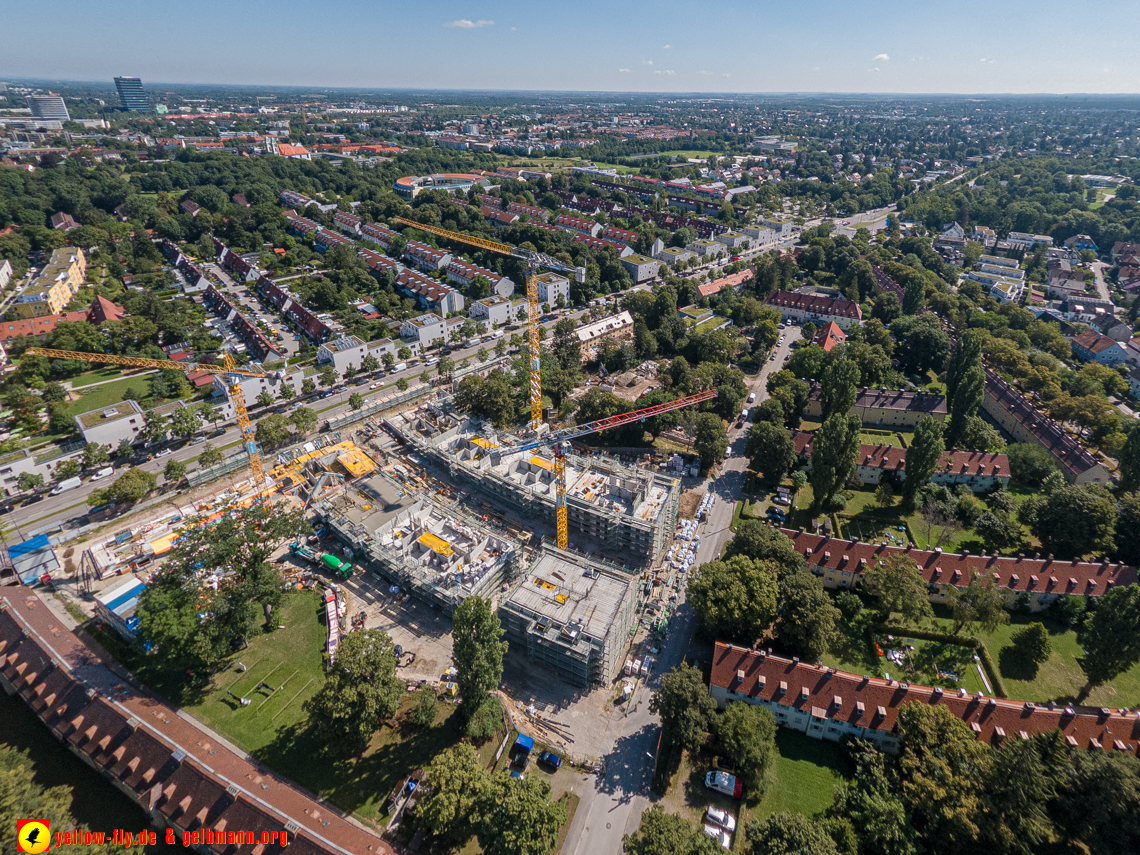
326,394
33,499
4,509
549,758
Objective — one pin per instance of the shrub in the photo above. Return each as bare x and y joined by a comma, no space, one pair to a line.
486,720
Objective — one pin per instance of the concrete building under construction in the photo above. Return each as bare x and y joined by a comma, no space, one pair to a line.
571,615
438,553
626,512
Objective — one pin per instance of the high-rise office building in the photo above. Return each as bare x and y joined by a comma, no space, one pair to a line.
48,106
131,94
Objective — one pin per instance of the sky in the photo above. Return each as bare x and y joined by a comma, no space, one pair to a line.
998,46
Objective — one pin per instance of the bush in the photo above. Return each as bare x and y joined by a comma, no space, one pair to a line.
486,721
1069,611
425,709
1032,643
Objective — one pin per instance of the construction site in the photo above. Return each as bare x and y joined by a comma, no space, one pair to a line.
625,512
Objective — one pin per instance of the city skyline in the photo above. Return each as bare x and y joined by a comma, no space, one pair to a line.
724,47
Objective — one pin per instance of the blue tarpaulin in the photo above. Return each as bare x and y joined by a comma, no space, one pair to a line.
33,558
526,743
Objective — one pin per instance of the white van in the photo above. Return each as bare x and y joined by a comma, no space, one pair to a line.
104,472
66,484
752,398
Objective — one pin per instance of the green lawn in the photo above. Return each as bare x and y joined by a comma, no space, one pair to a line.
622,170
274,727
807,771
882,437
107,394
1060,677
96,376
689,153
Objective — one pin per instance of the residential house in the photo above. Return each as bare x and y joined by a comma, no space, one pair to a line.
593,337
348,223
829,336
426,258
825,703
462,273
1014,414
1026,241
430,293
343,353
886,407
705,247
190,207
112,424
1111,326
424,330
761,236
782,226
493,310
733,240
578,224
59,281
621,249
733,280
1081,242
551,286
799,307
673,256
5,273
63,221
1091,346
640,268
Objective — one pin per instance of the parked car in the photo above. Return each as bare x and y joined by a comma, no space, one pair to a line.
198,440
721,818
163,453
105,472
549,758
66,484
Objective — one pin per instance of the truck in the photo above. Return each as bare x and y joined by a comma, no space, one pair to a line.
66,484
725,783
337,566
304,552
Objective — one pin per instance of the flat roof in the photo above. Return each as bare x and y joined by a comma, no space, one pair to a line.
571,594
111,413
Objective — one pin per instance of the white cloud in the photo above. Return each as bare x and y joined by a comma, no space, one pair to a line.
647,62
624,70
514,29
667,47
873,69
666,71
726,74
705,73
464,24
882,57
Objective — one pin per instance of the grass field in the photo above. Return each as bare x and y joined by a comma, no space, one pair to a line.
107,394
96,376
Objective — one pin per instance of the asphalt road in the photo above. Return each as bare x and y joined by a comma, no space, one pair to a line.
612,805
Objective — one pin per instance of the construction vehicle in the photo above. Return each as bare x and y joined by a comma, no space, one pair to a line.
532,261
305,552
229,369
337,566
559,439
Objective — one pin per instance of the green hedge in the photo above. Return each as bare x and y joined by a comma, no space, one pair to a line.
977,644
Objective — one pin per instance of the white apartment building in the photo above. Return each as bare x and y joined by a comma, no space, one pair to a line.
705,247
551,286
424,330
492,310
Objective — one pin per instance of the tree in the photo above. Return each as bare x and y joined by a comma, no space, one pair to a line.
788,834
308,387
899,587
425,708
264,398
870,805
327,376
356,400
184,423
22,796
404,353
486,721
370,363
210,413
131,486
95,454
914,296
1029,464
662,833
360,691
964,403
154,427
922,458
67,469
686,709
458,784
834,452
807,331
124,448
838,387
1130,463
922,344
710,440
518,818
1076,520
288,393
761,542
402,385
478,651
771,450
885,495
979,604
1031,644
734,599
997,530
173,471
53,393
210,456
808,620
1101,802
272,431
29,481
747,734
1110,636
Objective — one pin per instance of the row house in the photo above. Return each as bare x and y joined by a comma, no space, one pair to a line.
381,235
799,307
500,219
825,703
300,226
325,240
577,224
347,223
598,243
379,261
314,327
546,227
254,339
1091,346
180,261
426,258
672,221
885,407
1025,423
886,284
645,194
613,233
430,293
462,273
294,200
529,211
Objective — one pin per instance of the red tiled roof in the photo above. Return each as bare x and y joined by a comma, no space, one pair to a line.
1094,342
730,281
874,703
287,150
815,303
829,335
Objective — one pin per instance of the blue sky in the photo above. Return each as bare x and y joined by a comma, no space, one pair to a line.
664,46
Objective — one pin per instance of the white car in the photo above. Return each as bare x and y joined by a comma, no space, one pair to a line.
717,834
719,817
164,452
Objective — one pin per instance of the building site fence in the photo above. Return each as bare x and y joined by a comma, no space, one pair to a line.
381,406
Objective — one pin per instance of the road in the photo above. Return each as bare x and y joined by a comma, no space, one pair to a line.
1102,289
612,804
53,510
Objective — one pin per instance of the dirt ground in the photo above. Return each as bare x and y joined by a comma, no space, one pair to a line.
689,503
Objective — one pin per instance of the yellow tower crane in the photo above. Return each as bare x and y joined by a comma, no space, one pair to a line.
229,368
532,260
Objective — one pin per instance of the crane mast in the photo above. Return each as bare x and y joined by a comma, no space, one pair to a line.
532,262
229,370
